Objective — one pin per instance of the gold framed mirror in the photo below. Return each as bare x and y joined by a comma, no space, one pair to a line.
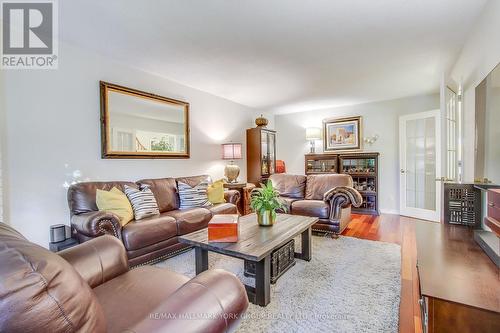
137,124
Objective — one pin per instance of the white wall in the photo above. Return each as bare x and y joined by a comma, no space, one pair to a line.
52,128
480,54
380,118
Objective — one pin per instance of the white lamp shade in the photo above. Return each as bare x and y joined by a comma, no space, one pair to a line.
231,151
313,133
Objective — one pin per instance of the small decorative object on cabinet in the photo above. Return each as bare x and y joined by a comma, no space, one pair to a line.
245,189
231,151
362,167
261,154
261,121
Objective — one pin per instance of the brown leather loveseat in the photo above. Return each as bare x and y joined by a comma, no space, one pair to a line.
89,288
151,239
328,197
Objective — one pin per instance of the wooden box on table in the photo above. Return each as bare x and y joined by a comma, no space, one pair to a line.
223,228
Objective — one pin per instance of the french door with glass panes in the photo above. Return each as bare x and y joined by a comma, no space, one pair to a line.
420,165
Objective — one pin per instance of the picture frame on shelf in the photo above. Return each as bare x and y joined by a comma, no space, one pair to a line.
342,133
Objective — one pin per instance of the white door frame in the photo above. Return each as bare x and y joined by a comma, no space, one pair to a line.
411,211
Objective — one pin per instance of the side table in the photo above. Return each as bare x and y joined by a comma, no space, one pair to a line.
245,189
65,244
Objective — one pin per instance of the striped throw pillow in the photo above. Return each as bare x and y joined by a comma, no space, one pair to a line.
143,202
193,196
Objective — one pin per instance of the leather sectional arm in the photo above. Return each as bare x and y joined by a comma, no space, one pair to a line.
94,224
98,260
342,197
213,301
232,196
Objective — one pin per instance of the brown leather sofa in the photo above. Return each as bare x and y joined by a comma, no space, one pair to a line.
89,288
328,197
148,240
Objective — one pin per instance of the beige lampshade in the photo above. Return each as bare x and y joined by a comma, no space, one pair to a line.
313,133
231,151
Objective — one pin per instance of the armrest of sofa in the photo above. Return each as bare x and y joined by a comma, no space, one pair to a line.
232,196
342,197
98,260
213,301
97,223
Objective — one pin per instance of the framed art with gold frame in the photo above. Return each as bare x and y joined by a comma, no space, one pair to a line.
136,124
342,133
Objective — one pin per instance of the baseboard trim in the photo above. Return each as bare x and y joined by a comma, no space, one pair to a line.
389,211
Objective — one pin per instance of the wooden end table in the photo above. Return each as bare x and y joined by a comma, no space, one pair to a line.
244,189
255,244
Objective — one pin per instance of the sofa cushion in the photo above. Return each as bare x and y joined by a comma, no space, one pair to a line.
318,185
223,208
133,296
316,208
194,180
116,202
81,196
165,192
151,230
193,196
191,219
143,202
292,186
215,192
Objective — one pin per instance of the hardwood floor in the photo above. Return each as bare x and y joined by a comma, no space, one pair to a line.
400,230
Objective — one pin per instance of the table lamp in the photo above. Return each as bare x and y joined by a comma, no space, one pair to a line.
313,134
231,151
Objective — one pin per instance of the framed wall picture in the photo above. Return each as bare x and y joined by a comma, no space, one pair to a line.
342,133
137,124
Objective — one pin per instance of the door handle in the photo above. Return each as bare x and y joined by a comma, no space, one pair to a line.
491,204
402,171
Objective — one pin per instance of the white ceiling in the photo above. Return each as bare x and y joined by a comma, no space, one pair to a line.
281,55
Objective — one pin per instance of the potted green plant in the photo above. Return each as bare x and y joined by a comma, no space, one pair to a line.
265,201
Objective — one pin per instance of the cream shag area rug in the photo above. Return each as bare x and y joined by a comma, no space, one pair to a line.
350,285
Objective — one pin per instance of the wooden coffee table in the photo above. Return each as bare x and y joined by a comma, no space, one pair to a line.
255,244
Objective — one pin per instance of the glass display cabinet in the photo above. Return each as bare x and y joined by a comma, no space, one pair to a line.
261,154
321,163
362,167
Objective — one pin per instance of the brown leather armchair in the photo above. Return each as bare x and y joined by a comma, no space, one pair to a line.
89,288
151,239
328,197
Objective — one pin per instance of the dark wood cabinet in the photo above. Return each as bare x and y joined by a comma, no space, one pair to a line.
459,285
261,154
362,167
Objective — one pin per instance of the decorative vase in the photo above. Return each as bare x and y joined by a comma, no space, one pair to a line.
265,219
232,171
261,121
